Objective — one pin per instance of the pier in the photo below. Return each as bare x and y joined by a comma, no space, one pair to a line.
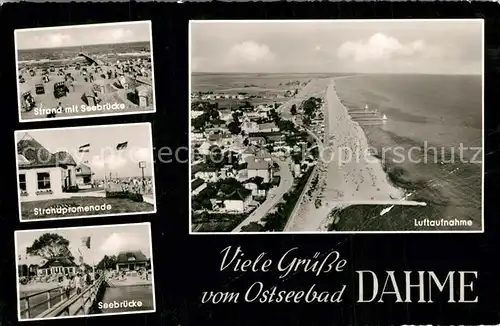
367,116
55,302
91,59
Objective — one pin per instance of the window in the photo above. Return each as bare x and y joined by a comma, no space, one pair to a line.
22,182
43,179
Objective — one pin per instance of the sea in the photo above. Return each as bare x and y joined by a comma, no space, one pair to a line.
431,146
119,51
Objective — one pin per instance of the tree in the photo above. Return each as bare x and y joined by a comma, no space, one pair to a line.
252,227
274,115
107,262
234,128
306,121
246,142
206,204
286,125
293,110
50,245
214,114
200,121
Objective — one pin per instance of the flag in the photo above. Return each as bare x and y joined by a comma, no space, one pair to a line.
84,148
121,146
86,242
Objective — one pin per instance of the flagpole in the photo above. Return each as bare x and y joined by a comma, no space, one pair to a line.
93,262
105,180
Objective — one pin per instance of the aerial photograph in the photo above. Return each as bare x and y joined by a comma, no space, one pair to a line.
81,271
85,171
346,126
84,70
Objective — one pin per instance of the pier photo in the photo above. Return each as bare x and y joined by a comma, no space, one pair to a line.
336,126
85,171
85,70
81,271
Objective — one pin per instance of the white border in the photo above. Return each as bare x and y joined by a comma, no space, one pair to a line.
150,134
88,115
90,315
319,21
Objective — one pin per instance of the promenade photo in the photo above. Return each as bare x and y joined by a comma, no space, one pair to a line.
336,126
85,171
84,70
81,271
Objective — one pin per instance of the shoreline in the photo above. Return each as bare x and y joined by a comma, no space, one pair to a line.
339,180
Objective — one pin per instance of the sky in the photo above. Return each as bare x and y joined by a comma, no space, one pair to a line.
104,240
102,155
328,46
82,35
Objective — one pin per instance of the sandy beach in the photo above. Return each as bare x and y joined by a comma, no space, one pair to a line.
346,170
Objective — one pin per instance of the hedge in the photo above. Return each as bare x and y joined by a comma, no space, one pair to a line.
125,194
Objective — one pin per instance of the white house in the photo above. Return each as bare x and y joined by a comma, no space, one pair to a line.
83,174
268,127
207,174
259,168
238,202
42,174
196,114
59,265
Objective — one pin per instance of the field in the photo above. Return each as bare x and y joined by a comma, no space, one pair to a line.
118,206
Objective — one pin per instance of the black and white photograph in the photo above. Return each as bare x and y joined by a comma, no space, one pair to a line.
85,70
85,171
84,271
336,126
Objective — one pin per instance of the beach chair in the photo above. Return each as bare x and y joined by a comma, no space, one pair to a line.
39,89
60,89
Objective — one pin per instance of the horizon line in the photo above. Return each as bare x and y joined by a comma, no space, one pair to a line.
81,45
341,73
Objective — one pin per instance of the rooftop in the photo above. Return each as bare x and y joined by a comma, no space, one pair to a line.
131,256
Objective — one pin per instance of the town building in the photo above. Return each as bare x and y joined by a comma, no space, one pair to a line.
267,127
259,168
29,265
83,174
59,265
131,260
238,202
42,173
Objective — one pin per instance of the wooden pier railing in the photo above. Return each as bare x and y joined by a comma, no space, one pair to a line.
59,304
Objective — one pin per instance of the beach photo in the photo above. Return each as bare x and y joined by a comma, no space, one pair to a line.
85,70
336,126
84,271
85,171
